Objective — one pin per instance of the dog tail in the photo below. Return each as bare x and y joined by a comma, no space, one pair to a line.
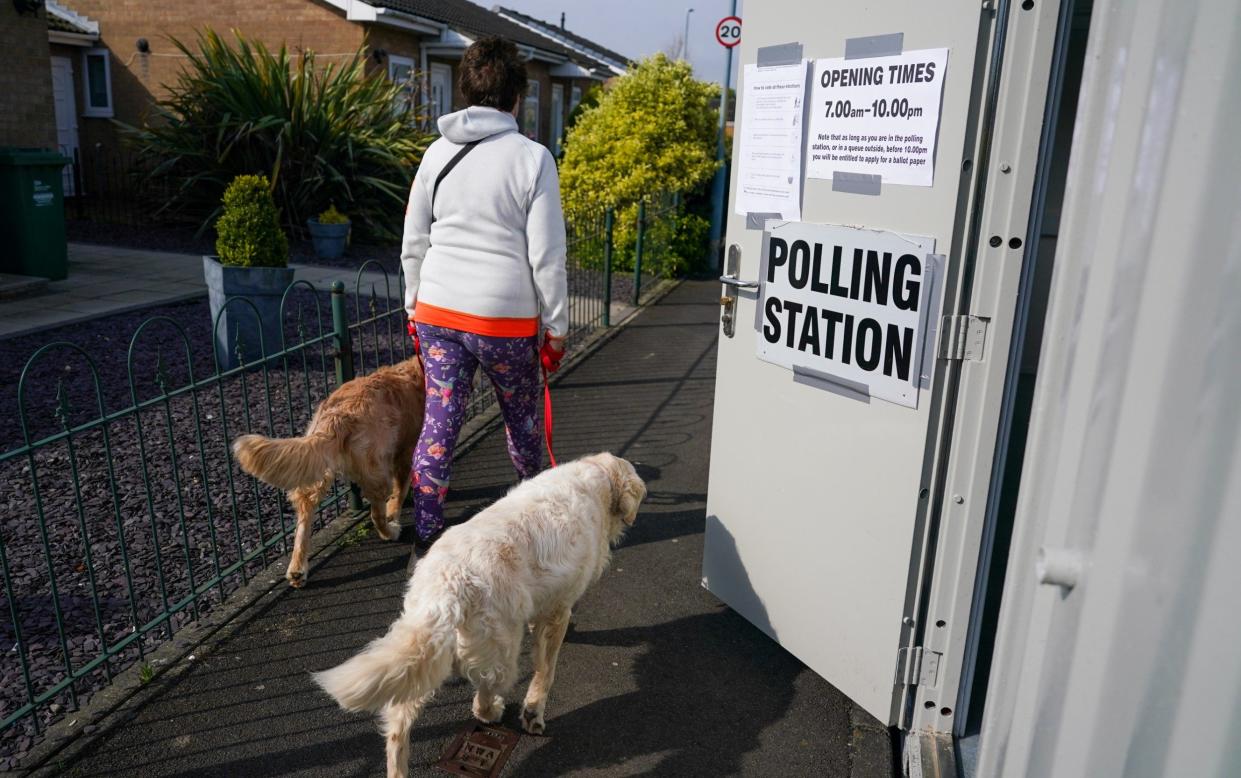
285,463
409,662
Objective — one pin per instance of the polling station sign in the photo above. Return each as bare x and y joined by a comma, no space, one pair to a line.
876,116
847,305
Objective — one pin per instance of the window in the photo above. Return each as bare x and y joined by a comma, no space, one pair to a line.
97,83
441,90
575,97
401,71
530,111
557,117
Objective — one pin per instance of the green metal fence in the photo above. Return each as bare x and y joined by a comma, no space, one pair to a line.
124,526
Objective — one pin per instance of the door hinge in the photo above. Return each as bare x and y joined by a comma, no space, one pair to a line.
917,667
962,337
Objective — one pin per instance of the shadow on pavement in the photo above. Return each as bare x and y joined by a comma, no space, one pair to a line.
656,676
693,711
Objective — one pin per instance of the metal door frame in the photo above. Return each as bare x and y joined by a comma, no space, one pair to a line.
970,422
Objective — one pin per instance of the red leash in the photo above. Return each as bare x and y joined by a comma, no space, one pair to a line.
547,418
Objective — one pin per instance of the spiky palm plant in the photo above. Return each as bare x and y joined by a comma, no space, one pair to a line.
322,133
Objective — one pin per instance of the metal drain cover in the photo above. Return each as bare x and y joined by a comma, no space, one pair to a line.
478,751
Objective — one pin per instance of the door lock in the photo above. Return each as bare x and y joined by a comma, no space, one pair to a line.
728,305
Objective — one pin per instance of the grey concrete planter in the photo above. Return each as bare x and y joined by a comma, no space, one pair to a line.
264,288
329,239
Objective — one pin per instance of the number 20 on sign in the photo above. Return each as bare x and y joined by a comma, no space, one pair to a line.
728,31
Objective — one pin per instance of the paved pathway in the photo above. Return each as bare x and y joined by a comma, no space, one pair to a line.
110,279
656,677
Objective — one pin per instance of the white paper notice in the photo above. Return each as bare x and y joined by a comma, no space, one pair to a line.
773,102
878,115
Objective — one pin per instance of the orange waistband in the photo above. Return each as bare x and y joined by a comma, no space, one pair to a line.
425,313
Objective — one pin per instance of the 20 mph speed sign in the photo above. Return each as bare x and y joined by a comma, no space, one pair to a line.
728,31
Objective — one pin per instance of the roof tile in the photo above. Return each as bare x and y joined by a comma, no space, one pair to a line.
555,29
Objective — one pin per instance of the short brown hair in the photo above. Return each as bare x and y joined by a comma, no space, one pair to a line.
492,73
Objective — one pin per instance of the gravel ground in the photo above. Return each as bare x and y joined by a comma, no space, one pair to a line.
179,505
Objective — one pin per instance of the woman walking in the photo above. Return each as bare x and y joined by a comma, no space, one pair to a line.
484,261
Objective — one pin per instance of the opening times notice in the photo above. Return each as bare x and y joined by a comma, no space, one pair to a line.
877,116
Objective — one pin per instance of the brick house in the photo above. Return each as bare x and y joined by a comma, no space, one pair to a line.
557,72
121,55
25,81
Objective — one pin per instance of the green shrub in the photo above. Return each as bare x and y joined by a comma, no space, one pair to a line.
321,133
332,216
653,130
674,243
249,229
689,243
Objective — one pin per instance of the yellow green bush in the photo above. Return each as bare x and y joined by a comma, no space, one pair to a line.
248,230
332,216
653,130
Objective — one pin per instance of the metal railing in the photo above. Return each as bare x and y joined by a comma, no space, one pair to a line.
123,526
108,185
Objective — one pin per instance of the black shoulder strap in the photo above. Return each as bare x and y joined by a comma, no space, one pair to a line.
452,163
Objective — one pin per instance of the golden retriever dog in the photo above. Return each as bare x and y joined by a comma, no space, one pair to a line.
525,560
366,431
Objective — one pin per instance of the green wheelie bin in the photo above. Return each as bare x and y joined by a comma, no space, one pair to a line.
32,213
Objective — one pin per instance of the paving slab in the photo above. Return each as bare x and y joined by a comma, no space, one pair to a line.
656,676
105,280
14,286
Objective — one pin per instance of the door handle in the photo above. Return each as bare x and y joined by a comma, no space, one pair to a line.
738,283
728,303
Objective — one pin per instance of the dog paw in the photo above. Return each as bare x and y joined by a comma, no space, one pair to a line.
490,713
532,721
297,578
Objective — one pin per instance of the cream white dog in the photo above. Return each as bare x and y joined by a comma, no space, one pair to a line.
525,560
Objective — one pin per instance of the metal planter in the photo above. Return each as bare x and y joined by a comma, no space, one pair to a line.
249,328
329,239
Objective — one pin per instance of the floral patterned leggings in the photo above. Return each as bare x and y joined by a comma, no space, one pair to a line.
451,358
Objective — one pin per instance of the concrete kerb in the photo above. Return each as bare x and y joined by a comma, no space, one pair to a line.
119,702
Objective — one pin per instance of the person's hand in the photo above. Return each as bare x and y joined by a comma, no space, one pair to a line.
551,352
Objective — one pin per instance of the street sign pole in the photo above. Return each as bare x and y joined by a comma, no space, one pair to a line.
719,186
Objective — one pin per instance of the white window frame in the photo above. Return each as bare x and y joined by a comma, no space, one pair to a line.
533,87
395,61
97,112
558,114
575,97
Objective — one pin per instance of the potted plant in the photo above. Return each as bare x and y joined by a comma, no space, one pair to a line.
252,262
330,233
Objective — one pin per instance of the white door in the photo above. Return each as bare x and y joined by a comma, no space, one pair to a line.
441,89
557,117
66,115
817,492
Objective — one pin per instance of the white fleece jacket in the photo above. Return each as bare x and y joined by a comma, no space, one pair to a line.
496,250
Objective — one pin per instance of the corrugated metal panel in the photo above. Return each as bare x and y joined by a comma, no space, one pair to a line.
1134,462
